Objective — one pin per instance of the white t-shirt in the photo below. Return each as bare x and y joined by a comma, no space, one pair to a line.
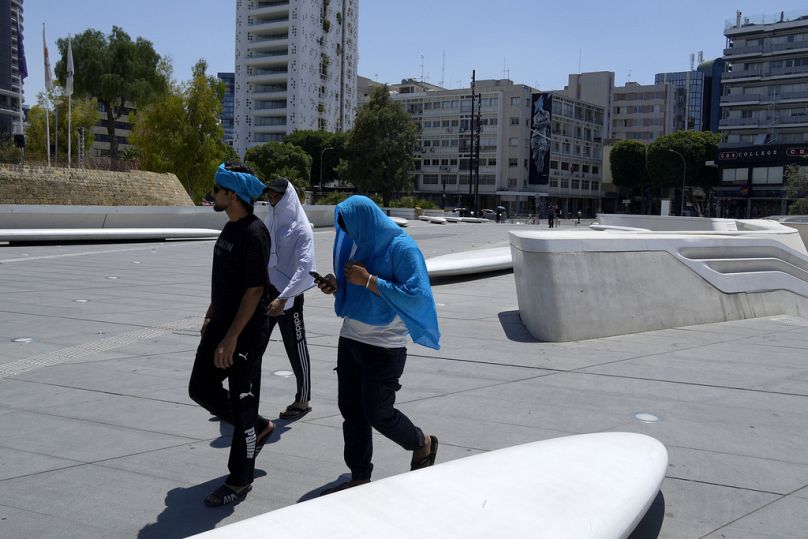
392,335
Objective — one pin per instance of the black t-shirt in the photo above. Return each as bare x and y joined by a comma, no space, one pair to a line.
240,259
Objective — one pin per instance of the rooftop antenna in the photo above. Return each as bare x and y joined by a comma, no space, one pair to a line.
628,77
443,69
701,57
422,68
506,73
579,60
692,59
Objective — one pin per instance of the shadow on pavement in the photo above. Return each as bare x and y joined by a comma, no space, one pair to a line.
186,514
514,329
316,492
651,523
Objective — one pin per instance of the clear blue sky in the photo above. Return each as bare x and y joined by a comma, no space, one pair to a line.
533,42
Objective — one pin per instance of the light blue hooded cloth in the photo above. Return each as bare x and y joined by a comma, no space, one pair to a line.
246,186
394,258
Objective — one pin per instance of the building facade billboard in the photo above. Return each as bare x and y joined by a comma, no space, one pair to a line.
541,116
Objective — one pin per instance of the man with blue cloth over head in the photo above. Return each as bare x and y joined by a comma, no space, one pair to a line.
236,329
383,295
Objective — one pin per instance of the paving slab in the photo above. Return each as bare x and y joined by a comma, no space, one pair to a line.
108,415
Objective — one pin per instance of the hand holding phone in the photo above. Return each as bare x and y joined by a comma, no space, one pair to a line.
328,286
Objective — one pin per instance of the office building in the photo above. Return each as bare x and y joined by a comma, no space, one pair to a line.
687,93
642,112
11,12
295,68
226,116
536,148
713,70
764,110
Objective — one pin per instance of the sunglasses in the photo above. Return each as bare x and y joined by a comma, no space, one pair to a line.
217,188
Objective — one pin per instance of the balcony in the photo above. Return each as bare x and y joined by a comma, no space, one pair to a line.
765,121
766,50
267,41
266,59
765,73
269,8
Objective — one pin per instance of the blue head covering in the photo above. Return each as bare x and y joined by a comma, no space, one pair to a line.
394,258
245,185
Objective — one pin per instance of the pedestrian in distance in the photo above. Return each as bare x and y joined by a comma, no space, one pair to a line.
383,294
550,216
291,259
235,332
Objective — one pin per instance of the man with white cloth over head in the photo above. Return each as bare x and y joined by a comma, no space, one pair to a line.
291,258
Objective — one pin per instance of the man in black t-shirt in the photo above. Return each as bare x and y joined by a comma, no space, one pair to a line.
236,329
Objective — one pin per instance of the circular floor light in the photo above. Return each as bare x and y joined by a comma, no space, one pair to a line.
283,374
645,417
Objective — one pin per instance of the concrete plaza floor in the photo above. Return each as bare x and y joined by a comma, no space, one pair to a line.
98,437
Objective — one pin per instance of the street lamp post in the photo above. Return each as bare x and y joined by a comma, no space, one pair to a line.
684,178
322,152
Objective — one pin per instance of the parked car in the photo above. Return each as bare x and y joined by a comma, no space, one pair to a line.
488,214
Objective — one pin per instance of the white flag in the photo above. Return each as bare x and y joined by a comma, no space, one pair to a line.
48,77
69,78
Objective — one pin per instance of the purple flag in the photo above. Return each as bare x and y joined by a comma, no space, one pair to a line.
23,66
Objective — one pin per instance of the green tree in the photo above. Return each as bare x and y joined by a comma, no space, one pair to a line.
180,132
628,167
797,188
275,159
113,69
628,164
380,147
313,143
665,167
83,114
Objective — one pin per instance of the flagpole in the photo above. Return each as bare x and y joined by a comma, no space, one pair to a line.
23,72
69,99
47,95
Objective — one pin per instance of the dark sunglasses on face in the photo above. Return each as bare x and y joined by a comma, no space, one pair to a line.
217,188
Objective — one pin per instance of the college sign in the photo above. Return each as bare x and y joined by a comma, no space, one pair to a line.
774,153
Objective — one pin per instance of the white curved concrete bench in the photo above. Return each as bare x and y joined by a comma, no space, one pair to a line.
598,284
433,219
592,485
470,262
104,234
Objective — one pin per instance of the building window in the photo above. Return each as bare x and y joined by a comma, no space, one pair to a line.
514,101
734,175
576,184
762,175
594,186
513,162
512,182
513,142
514,120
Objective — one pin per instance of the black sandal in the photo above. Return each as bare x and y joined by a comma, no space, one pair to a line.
294,412
226,494
428,460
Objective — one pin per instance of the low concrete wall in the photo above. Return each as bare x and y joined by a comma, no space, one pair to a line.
588,285
53,216
43,185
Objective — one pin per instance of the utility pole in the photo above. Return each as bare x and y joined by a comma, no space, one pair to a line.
477,158
471,133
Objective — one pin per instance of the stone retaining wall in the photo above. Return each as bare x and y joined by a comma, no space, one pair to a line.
43,185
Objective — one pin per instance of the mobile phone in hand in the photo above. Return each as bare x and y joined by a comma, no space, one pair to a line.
317,277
